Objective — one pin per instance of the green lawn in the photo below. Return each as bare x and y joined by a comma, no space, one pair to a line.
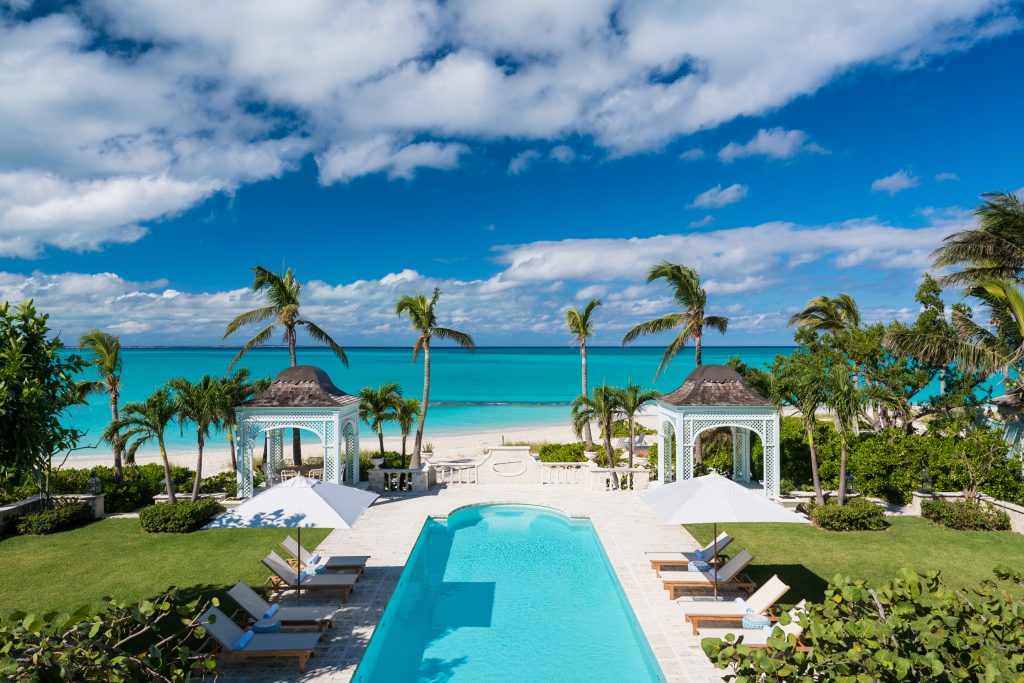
115,558
806,557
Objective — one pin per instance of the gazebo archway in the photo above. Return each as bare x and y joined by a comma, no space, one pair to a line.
716,396
302,397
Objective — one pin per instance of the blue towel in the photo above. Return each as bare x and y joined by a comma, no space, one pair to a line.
314,558
244,640
271,612
712,573
700,554
304,574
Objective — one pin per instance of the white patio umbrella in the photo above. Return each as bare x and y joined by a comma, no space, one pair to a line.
298,503
711,499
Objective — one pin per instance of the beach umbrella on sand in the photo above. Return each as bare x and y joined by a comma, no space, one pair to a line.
714,499
298,503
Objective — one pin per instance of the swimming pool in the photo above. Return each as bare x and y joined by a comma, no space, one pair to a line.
508,592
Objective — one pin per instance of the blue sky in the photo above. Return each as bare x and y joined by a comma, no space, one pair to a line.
521,158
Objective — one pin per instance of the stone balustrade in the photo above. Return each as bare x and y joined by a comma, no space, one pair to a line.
455,474
402,480
624,479
564,473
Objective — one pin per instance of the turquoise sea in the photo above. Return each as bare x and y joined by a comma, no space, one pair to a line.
490,389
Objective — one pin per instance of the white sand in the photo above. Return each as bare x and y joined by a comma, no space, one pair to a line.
216,459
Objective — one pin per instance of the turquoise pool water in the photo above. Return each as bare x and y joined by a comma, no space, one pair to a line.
508,592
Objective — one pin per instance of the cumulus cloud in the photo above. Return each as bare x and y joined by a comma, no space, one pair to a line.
897,182
562,154
944,177
703,222
693,154
774,143
719,196
522,161
182,100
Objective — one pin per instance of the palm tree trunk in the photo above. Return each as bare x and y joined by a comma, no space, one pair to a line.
587,434
168,484
842,471
631,439
118,467
296,438
698,446
819,497
405,435
610,453
414,461
199,469
380,435
231,445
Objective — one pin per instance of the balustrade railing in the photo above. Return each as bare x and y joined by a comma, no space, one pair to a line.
620,479
456,474
563,473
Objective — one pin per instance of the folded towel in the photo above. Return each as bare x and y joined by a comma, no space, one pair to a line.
273,610
769,628
303,575
700,554
314,558
744,606
244,640
712,573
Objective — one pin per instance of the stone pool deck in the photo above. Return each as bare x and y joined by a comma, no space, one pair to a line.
389,529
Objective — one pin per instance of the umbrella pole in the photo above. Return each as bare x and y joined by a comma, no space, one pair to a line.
715,544
298,564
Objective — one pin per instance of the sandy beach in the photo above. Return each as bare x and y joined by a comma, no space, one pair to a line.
454,446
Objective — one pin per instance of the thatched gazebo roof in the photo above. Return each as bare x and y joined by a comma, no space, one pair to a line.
303,386
1012,402
714,385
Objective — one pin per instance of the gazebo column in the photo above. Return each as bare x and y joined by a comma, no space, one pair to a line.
772,464
275,449
663,445
740,454
333,471
243,475
684,464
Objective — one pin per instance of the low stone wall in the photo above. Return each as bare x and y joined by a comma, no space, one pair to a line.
35,503
187,495
398,480
1015,512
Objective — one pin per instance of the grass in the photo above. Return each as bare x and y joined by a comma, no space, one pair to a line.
116,558
806,557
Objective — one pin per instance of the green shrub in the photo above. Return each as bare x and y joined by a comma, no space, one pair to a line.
857,514
134,491
180,517
223,482
786,486
562,452
60,518
965,515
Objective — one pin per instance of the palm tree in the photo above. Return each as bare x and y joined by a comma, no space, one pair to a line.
106,357
800,385
691,320
140,423
424,320
603,406
632,399
994,249
377,406
581,327
235,389
201,404
828,314
407,413
282,292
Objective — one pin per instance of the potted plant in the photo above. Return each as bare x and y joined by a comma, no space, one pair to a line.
377,461
427,452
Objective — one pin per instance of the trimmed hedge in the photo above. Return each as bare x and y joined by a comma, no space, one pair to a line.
179,518
965,515
563,452
857,514
64,516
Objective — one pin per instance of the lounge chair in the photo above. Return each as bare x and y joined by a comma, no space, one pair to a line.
661,559
758,603
234,642
728,576
343,563
258,608
757,637
286,578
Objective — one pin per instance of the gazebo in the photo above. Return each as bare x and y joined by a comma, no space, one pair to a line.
1010,408
716,396
301,397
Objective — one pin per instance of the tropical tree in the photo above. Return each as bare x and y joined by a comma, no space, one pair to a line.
105,355
201,403
603,406
800,385
407,413
691,320
828,314
632,400
377,406
141,423
995,249
422,316
235,389
282,311
581,327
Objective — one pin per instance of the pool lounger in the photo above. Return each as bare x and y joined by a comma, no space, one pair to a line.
257,608
758,603
342,563
729,576
234,642
756,637
661,559
286,578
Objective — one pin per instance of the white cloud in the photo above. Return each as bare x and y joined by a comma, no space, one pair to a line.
944,177
563,154
897,182
522,161
703,222
207,96
719,196
693,154
774,143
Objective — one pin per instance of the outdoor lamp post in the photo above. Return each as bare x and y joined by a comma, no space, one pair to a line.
926,481
94,485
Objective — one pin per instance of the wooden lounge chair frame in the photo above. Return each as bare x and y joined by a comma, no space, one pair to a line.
218,648
695,616
247,616
738,581
277,583
682,559
349,564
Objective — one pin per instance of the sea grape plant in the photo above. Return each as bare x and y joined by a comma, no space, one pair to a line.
915,627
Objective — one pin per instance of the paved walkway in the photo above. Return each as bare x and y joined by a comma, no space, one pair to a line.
389,529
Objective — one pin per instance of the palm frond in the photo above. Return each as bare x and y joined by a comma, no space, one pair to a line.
665,323
673,348
254,316
716,322
461,338
319,335
261,337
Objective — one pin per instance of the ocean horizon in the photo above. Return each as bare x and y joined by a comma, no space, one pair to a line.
491,389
